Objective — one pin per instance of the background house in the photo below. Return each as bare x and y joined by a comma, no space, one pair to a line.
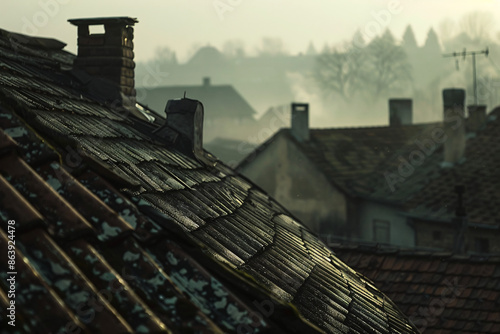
227,111
450,197
314,170
392,185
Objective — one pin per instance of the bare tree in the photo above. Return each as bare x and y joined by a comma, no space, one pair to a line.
332,72
388,68
338,69
478,25
371,71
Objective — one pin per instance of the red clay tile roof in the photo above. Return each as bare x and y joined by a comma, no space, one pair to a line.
440,292
117,232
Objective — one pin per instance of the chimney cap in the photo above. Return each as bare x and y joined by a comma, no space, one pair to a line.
453,97
401,99
300,121
104,20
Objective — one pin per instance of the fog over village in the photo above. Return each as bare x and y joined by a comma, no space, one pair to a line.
346,83
344,80
232,166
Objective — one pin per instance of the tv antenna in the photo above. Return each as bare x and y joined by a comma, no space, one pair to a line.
464,54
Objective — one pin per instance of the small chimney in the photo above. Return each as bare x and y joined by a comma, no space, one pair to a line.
184,126
300,121
454,125
109,55
400,112
206,81
477,117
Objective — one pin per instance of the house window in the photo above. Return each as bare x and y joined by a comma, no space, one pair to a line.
482,245
437,235
381,231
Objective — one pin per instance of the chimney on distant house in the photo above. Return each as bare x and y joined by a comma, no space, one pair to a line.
108,55
477,117
300,121
206,81
454,125
400,112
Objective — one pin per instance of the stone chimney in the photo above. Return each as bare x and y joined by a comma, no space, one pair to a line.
184,126
400,112
206,81
108,55
300,121
454,125
477,117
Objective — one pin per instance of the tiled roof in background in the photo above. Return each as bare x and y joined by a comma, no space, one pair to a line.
383,164
440,292
428,190
346,154
118,232
223,100
230,151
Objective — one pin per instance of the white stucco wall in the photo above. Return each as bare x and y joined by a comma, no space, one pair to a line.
401,233
287,175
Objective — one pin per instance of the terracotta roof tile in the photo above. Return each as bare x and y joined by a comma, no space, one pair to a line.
437,298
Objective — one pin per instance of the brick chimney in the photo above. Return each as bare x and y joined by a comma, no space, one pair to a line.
300,121
454,125
477,117
400,112
109,55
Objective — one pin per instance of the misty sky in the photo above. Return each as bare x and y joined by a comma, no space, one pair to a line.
181,24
